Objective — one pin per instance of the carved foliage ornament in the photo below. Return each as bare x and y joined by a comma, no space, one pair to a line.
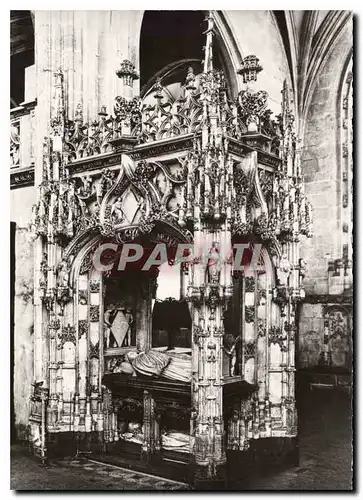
277,336
67,335
249,314
82,328
250,284
252,105
94,313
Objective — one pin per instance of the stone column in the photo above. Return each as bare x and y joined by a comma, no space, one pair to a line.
143,314
148,446
210,293
210,457
42,120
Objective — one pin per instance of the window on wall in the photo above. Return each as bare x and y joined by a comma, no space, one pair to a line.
22,53
170,42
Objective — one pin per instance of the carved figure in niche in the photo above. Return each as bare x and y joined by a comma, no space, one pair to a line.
116,210
302,271
94,214
86,190
108,318
14,143
103,184
14,157
128,318
96,211
44,263
230,350
267,124
100,185
63,274
283,271
214,264
161,183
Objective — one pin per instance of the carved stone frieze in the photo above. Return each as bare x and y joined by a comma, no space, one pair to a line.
86,263
88,165
22,178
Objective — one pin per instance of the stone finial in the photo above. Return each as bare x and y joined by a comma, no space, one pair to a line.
190,79
158,89
78,115
127,72
103,111
250,68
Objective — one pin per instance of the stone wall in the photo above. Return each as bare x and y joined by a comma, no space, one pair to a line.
311,335
323,184
22,200
256,33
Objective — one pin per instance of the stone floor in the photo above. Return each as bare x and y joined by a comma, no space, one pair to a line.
325,442
81,474
325,446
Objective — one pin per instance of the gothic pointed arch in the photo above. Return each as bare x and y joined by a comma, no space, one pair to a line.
162,39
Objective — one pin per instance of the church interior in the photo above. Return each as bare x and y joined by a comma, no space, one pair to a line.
150,129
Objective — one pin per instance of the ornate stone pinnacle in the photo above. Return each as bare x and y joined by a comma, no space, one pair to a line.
190,79
78,114
158,88
127,72
103,111
250,68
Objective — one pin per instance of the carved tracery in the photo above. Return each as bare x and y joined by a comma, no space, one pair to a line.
186,170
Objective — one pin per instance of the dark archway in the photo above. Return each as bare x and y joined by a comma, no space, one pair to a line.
169,38
21,52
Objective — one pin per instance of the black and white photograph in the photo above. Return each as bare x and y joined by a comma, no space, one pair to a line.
181,250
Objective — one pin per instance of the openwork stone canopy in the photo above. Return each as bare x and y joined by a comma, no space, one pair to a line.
171,118
179,170
217,184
